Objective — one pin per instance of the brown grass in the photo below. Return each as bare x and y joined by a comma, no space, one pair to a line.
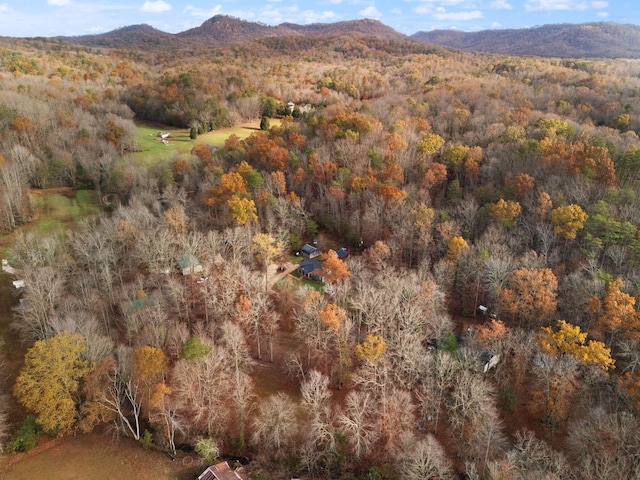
99,457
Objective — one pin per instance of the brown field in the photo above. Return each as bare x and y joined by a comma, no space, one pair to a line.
99,457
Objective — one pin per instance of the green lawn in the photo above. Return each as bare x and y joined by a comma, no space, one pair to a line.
151,148
58,211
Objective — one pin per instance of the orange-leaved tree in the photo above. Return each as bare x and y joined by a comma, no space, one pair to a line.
617,313
332,317
333,269
530,295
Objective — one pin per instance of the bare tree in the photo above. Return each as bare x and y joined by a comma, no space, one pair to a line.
320,438
358,423
424,458
605,444
203,385
275,425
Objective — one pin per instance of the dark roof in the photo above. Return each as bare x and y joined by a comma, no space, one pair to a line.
308,249
308,266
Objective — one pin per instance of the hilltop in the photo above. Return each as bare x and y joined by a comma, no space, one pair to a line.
596,40
589,40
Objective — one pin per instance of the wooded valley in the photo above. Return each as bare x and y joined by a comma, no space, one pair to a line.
484,323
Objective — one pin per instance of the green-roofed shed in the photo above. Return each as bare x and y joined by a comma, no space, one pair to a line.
189,264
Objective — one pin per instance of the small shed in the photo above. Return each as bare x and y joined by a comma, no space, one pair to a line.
310,251
189,264
220,471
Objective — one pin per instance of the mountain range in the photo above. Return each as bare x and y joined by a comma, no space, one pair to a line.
588,40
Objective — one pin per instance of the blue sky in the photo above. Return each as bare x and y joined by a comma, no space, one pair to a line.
29,18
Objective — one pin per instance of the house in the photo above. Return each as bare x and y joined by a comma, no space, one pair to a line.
342,253
140,302
310,268
220,471
310,251
189,264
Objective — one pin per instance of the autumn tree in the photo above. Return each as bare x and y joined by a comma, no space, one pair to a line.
505,212
266,247
242,210
616,313
455,248
530,295
148,371
568,220
371,349
570,339
334,269
48,384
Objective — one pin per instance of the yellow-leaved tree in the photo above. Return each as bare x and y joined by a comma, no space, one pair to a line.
505,212
455,248
568,220
148,372
49,381
570,339
242,209
266,247
372,348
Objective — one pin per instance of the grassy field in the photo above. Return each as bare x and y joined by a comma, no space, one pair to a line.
98,457
150,146
59,209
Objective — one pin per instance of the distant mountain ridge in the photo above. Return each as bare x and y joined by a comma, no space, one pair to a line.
595,40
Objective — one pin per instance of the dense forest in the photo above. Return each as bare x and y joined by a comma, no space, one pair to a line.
455,180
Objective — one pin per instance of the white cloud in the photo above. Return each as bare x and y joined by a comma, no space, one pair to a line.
311,16
396,11
448,2
423,9
603,14
537,5
599,4
58,3
201,12
155,7
370,12
501,4
4,8
458,16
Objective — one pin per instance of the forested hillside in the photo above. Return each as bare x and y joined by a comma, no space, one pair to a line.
588,40
454,180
